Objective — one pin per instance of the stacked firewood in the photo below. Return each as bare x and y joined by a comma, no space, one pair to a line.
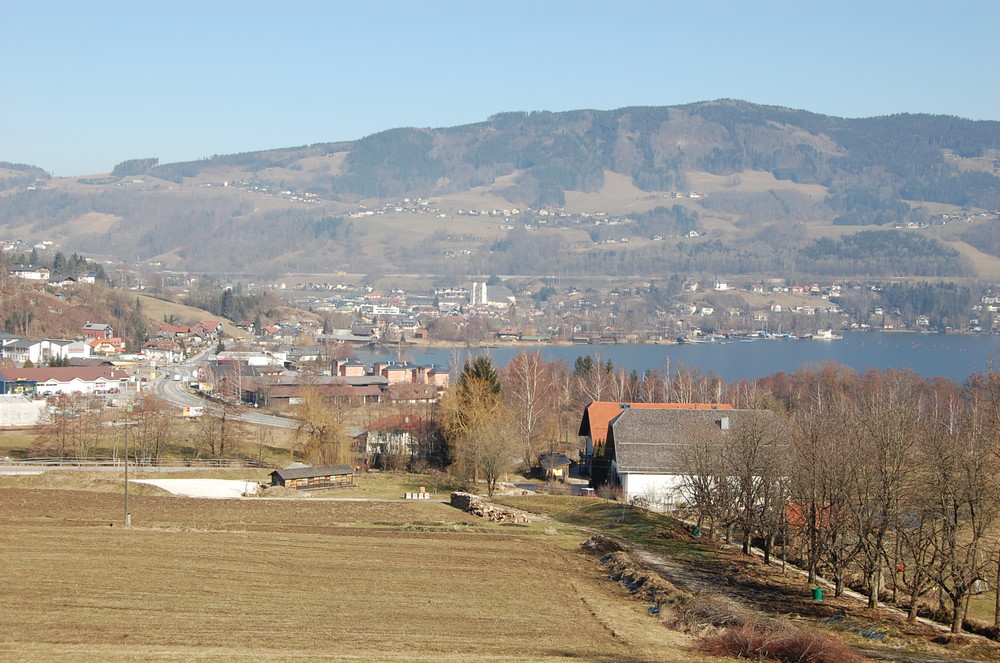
492,512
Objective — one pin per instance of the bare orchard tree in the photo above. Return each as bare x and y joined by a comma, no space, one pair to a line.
498,447
885,431
705,487
753,462
819,468
59,433
74,427
916,531
961,472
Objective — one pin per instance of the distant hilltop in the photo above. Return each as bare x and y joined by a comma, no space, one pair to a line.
722,187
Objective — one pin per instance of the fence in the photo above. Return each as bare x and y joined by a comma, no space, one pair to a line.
96,461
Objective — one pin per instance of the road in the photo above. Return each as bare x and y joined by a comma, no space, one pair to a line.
176,393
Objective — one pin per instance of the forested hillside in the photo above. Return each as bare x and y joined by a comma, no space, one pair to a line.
729,187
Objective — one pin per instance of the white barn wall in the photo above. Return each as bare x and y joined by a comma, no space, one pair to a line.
659,491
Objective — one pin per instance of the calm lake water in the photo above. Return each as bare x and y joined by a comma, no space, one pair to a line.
946,355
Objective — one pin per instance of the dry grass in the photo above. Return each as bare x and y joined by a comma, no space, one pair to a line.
985,265
303,580
16,440
156,308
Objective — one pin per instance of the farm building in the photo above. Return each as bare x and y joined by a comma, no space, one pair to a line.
598,415
648,451
314,477
555,466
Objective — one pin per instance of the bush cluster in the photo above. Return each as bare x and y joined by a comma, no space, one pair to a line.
780,641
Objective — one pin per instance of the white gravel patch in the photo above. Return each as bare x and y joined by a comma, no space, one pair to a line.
213,488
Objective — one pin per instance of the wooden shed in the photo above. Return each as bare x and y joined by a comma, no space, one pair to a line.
555,466
314,477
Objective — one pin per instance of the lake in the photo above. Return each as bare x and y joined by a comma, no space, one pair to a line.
947,355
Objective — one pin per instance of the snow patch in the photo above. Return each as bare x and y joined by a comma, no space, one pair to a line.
214,488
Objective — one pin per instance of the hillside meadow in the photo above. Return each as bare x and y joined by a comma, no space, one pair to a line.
303,580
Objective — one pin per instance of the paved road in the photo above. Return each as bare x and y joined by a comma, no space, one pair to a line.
176,393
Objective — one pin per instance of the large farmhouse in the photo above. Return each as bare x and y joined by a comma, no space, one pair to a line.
598,415
648,451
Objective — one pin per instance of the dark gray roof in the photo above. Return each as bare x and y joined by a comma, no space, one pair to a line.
655,441
313,471
550,461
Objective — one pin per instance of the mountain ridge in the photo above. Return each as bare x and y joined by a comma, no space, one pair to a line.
306,207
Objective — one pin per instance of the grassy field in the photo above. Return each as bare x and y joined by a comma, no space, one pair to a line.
303,580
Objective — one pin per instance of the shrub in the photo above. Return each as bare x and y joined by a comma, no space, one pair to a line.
693,611
601,544
779,641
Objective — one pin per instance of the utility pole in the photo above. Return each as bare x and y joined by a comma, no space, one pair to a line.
128,515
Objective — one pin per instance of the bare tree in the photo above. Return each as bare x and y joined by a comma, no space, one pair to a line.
497,448
529,389
74,427
884,434
151,427
752,462
219,430
705,484
961,475
320,437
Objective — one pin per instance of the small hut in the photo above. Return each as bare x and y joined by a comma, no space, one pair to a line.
555,466
313,477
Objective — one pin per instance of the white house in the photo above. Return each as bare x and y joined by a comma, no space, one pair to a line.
396,435
42,350
648,450
30,272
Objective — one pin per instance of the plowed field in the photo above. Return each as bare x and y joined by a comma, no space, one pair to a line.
303,580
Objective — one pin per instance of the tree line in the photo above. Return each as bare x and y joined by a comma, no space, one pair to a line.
885,482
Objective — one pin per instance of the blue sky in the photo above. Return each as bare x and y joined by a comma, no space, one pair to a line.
89,84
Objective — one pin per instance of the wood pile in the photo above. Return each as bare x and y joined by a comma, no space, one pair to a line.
492,512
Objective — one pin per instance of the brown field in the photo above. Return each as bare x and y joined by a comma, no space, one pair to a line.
303,580
368,578
156,308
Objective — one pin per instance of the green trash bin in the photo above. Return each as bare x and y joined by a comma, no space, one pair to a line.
817,593
696,531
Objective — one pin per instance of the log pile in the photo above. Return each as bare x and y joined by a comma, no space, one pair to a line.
492,512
